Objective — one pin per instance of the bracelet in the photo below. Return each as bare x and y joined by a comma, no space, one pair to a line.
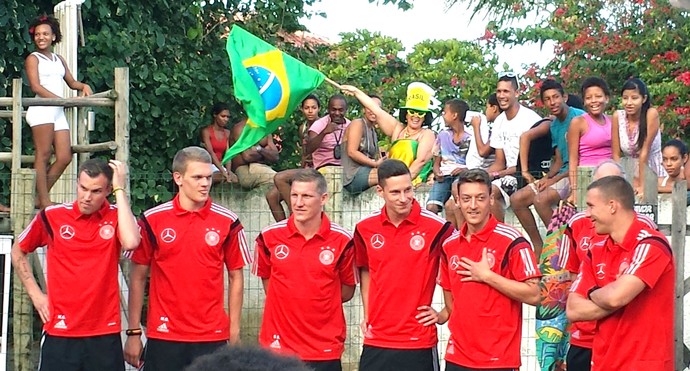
118,189
133,332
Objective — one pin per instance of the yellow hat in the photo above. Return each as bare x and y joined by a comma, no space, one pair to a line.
418,97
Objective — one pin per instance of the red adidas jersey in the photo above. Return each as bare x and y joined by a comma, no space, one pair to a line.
485,325
403,266
186,251
580,237
82,264
638,336
303,313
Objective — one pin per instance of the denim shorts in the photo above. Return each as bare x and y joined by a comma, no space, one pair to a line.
360,182
440,191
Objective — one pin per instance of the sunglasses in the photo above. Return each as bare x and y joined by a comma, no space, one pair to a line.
508,74
418,114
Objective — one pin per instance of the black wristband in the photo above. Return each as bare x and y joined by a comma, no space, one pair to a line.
133,332
589,293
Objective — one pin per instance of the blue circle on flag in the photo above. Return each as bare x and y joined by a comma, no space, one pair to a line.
268,84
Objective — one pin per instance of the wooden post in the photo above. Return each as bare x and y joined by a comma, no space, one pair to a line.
16,124
584,179
649,186
122,116
83,132
628,165
678,227
23,186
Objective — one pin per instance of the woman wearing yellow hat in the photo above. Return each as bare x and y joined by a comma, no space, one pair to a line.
412,142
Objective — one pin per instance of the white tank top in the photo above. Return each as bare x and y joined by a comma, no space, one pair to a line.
51,72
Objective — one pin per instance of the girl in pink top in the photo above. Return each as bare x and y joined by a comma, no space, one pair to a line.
589,135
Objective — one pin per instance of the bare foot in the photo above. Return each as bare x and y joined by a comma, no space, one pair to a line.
4,209
40,205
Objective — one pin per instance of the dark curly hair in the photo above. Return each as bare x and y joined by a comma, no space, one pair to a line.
49,20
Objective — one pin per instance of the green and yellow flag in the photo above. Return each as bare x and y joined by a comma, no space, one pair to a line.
268,83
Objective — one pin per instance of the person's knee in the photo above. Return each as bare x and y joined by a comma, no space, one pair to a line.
63,157
522,198
433,208
282,177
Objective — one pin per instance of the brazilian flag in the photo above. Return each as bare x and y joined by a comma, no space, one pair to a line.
268,83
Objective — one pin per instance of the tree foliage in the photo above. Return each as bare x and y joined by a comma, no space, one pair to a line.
178,66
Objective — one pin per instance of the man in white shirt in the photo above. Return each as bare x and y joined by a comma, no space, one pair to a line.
505,140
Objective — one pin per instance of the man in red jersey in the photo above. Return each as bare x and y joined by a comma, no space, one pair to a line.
626,284
81,313
307,267
580,236
397,250
488,270
186,242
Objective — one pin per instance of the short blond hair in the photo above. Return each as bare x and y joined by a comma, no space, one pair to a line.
188,154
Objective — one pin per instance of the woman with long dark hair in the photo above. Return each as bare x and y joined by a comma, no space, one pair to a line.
635,131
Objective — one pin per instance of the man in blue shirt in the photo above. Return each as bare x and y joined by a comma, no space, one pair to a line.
555,186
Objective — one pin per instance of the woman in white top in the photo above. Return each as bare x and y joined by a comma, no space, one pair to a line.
46,71
635,131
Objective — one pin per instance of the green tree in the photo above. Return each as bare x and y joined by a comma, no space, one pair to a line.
178,67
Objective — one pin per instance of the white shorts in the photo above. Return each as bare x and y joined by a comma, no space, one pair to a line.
41,115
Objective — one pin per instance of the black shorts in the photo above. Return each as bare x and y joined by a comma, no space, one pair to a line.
102,352
164,355
453,367
385,359
333,365
579,358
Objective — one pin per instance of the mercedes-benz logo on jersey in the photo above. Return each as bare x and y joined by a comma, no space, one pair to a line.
600,271
454,262
106,232
212,238
326,256
168,235
585,243
282,252
377,241
67,232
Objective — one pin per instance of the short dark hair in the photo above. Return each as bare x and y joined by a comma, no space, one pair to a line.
493,100
311,176
335,97
575,101
390,168
219,107
95,167
513,81
313,97
549,84
682,148
595,82
245,358
50,21
474,176
615,188
460,107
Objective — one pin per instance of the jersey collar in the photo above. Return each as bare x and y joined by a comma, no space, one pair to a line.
413,218
323,230
203,212
485,233
630,239
101,212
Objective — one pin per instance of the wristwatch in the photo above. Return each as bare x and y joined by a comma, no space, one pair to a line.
258,148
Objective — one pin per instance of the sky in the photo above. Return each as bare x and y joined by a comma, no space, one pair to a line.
429,21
